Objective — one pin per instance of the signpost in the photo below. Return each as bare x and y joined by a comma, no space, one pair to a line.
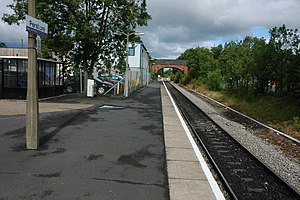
34,27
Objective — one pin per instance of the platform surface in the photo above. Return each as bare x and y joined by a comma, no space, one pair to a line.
115,148
187,179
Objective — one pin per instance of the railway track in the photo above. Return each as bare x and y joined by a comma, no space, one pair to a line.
242,173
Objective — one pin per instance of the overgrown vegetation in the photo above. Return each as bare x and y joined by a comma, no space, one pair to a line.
258,77
250,67
295,124
276,111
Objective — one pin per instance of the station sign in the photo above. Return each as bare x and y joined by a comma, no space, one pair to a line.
36,26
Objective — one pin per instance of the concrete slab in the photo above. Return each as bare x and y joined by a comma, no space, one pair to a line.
181,189
174,134
175,128
177,142
189,170
187,179
181,154
171,121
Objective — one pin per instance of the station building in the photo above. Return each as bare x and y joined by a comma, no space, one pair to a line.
138,61
13,75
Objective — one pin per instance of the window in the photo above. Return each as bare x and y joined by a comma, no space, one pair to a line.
13,73
22,73
1,66
49,74
131,51
59,74
10,73
41,74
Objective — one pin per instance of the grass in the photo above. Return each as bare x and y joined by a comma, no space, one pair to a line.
279,112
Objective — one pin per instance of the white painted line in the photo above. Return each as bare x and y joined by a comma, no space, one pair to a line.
212,182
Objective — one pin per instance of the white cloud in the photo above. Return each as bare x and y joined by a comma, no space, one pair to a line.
178,25
11,35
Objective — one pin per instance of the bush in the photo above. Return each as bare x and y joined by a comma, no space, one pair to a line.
184,80
214,80
178,77
296,124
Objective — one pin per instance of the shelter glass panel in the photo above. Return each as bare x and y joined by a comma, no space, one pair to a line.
22,73
1,66
41,74
10,73
49,74
58,77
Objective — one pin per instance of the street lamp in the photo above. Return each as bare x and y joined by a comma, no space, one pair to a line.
127,51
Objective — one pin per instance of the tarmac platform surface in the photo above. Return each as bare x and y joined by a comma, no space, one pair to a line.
113,149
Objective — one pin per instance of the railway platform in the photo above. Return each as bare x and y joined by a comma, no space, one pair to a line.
189,176
135,148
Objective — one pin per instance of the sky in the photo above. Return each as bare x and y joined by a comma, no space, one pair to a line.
178,25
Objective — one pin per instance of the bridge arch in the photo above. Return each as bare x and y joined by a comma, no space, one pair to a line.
177,64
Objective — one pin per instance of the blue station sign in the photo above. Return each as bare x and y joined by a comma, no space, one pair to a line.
36,26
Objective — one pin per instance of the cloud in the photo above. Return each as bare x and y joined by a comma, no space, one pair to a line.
12,35
178,25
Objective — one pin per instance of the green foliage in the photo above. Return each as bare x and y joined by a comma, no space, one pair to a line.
201,61
214,80
177,77
251,67
85,28
274,108
217,51
285,58
296,124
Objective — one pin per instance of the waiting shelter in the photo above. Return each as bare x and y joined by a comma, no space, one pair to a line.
13,77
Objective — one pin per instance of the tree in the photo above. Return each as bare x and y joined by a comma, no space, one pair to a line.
217,51
261,70
201,61
235,61
86,28
251,66
285,58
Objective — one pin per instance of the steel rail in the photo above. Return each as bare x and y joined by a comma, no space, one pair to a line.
252,119
214,164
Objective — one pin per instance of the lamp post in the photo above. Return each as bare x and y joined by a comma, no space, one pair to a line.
126,90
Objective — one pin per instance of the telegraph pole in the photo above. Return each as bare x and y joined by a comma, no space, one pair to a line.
32,104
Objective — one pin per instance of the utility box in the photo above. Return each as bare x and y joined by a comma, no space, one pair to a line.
91,88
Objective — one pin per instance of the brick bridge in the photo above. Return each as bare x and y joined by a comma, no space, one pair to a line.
178,64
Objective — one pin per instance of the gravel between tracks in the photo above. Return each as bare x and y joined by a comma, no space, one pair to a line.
284,165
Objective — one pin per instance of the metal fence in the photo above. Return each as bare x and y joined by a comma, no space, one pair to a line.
134,81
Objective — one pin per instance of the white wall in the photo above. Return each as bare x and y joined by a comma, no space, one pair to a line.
135,61
145,67
140,61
